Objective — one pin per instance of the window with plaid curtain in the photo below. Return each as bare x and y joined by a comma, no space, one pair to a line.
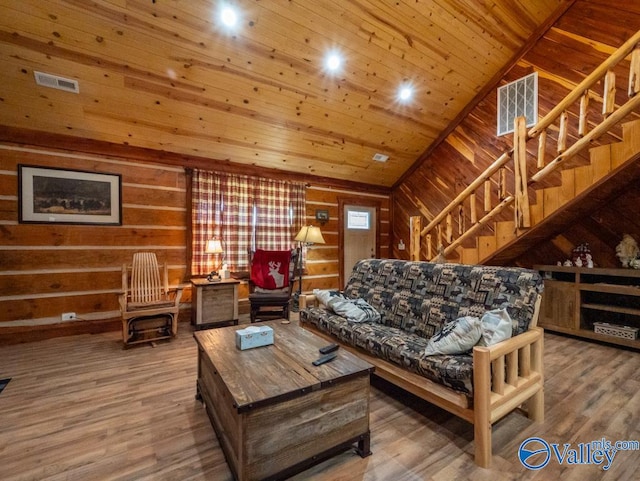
246,213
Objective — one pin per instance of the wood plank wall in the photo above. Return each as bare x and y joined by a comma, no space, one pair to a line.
48,269
602,229
323,260
579,41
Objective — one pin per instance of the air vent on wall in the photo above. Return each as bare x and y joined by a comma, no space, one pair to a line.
55,82
380,157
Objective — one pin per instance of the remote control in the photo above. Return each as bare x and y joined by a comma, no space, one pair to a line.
329,348
326,358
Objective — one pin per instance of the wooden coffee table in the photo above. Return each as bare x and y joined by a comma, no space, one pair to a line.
273,411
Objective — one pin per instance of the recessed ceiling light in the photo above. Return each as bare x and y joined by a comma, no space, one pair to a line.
333,61
405,93
229,16
380,157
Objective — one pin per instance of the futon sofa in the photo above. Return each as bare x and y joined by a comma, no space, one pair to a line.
415,300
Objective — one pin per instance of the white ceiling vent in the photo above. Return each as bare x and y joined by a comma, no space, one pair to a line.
380,157
55,82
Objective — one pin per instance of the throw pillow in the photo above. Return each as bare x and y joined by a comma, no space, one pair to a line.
456,337
355,310
496,327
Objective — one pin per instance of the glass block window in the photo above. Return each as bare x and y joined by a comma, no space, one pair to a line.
516,99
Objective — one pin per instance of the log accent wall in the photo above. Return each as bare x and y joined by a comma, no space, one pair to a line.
48,269
577,43
323,265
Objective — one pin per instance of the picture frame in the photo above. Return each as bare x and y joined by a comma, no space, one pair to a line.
322,215
49,195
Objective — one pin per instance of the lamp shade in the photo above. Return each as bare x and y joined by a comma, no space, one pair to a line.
310,234
214,246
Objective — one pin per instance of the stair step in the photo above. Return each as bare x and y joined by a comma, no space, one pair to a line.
600,161
568,186
630,145
486,246
537,211
583,178
603,159
505,232
469,255
551,200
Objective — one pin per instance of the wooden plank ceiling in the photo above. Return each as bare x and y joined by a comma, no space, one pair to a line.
165,75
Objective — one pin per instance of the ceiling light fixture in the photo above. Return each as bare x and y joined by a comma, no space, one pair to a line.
405,93
380,157
333,61
229,16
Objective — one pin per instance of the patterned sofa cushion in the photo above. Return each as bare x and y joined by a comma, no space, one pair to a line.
397,346
421,297
416,299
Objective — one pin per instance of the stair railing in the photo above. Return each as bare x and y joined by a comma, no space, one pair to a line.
439,232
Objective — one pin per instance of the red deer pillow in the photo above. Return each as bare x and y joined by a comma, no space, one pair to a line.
270,269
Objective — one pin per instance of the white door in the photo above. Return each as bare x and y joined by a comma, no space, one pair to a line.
359,238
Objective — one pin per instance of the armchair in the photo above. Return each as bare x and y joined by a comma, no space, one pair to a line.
272,274
149,309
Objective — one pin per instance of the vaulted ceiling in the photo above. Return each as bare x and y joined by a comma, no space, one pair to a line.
165,75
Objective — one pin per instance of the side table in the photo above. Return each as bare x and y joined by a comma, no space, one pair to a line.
214,303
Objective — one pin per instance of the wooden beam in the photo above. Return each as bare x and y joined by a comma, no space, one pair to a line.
472,209
634,72
609,94
522,214
584,112
542,146
562,134
414,244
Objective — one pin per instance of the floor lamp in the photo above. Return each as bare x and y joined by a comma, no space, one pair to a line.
308,235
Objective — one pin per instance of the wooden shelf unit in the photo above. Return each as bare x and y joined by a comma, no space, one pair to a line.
576,297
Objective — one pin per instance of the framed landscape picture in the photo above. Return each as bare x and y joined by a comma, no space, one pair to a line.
48,195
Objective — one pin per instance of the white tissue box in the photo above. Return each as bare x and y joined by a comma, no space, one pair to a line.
254,336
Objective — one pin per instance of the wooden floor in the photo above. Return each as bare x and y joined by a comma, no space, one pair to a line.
82,408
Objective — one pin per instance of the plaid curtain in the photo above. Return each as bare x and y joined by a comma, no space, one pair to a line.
246,213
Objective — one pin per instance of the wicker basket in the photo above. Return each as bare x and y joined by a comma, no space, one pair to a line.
623,332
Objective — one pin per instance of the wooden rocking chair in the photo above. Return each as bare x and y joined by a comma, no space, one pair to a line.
149,309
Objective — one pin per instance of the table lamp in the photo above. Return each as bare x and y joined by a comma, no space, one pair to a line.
214,246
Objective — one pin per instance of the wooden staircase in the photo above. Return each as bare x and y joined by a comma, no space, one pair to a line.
591,110
582,189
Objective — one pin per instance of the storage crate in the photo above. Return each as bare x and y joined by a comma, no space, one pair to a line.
623,332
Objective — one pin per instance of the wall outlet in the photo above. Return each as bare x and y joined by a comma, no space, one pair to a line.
68,316
401,246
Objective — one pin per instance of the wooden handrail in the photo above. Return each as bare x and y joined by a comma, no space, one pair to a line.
492,169
602,128
612,115
481,223
586,84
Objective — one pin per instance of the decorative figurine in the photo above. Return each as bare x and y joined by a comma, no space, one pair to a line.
627,251
589,260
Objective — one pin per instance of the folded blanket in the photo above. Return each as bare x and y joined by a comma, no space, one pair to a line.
354,310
